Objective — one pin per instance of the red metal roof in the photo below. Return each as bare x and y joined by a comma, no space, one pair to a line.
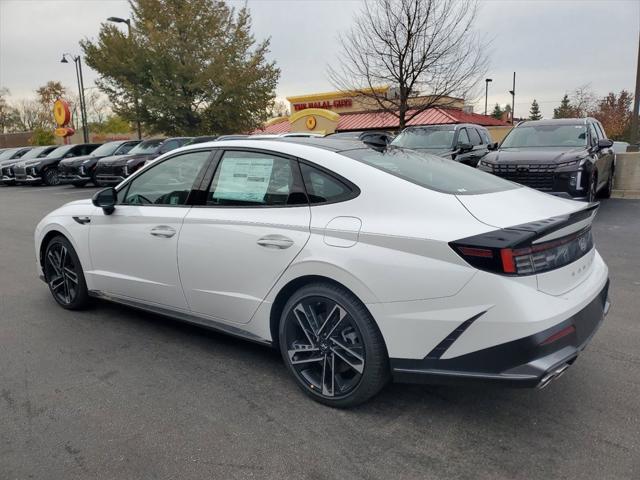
385,120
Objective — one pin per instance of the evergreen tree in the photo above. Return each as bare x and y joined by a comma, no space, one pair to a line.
565,110
497,112
193,66
534,111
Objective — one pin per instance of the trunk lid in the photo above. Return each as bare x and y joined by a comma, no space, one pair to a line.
542,219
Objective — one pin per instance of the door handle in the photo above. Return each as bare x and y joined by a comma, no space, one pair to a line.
163,231
275,241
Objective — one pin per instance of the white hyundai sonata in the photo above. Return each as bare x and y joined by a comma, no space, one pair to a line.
360,264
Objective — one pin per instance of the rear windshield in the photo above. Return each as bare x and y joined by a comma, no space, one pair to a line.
546,136
430,171
426,138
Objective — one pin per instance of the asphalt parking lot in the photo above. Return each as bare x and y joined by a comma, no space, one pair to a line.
116,393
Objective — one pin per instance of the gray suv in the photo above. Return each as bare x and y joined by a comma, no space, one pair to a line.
463,142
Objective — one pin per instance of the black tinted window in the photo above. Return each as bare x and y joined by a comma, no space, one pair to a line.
255,179
474,136
322,187
463,137
430,171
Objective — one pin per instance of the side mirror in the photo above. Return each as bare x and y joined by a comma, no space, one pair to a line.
605,143
492,146
106,199
465,147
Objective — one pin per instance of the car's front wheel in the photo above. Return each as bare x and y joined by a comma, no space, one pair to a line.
332,346
50,177
63,273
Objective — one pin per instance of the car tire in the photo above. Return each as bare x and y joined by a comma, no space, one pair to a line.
63,274
592,193
608,189
50,177
332,346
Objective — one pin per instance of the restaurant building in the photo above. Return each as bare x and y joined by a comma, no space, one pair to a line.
344,111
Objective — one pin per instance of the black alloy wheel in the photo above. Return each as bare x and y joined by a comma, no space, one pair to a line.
332,346
51,177
63,274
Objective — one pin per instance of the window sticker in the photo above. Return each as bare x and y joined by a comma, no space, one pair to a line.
245,179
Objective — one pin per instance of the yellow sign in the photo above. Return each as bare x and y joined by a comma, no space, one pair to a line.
311,123
61,113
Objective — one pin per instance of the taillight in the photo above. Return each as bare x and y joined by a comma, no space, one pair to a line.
521,256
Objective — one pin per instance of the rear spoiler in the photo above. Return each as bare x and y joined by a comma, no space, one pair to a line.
538,231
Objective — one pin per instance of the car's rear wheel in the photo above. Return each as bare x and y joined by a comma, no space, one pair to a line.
50,177
63,273
332,346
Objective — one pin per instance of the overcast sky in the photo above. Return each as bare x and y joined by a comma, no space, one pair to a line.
554,46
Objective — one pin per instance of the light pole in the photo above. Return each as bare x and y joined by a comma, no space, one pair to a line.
513,99
135,90
83,110
636,109
486,93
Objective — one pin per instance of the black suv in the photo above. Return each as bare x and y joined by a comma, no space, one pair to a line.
463,142
81,170
571,158
45,169
113,169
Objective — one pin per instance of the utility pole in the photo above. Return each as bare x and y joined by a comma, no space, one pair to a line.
83,109
486,93
513,99
636,107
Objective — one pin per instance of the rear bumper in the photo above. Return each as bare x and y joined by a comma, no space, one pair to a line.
525,362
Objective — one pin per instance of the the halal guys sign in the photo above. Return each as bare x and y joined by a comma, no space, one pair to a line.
326,104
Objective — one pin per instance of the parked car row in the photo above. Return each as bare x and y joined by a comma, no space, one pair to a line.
571,158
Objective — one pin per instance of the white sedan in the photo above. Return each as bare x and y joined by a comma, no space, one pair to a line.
361,264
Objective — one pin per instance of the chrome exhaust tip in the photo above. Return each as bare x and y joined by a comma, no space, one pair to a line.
549,377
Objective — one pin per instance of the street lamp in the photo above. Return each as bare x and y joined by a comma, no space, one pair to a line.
135,90
486,93
83,110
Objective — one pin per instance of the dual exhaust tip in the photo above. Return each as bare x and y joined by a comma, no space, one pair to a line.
553,375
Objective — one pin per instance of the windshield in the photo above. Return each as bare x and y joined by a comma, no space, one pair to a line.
7,154
537,136
105,149
60,151
145,147
436,138
430,171
34,153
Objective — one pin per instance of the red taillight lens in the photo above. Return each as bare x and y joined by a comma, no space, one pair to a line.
558,335
525,259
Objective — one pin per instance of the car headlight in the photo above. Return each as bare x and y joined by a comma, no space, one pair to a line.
484,163
32,164
86,161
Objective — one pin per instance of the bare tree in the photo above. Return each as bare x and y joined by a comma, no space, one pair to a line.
426,50
583,101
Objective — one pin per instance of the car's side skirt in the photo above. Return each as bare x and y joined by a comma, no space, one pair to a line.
182,316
